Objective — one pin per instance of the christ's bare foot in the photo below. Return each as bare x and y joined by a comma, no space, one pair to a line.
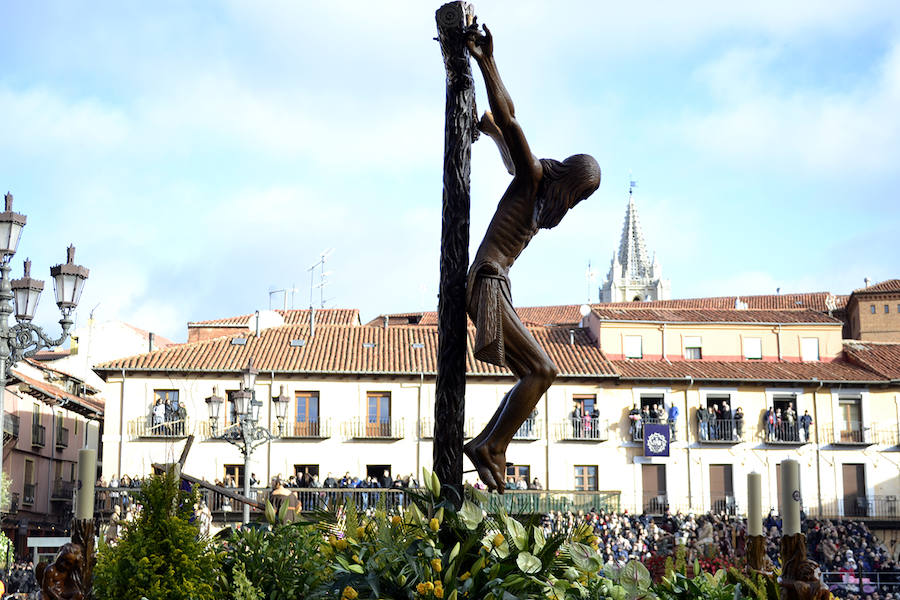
491,466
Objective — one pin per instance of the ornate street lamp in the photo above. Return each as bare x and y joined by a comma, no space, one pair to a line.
281,402
25,339
247,435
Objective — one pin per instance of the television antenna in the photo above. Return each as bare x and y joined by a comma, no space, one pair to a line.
591,276
323,278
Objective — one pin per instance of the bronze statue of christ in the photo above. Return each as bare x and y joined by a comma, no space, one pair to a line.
540,194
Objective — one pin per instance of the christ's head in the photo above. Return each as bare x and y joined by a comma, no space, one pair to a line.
564,185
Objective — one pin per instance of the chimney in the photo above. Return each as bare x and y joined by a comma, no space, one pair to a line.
312,322
866,281
257,323
150,342
571,337
386,321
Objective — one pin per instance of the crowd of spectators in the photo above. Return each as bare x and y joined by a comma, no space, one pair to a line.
841,548
718,422
167,417
20,581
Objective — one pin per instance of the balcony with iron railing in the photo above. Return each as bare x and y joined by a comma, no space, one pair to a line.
383,429
10,427
721,431
637,429
314,429
529,430
426,428
38,436
581,429
62,490
62,437
850,434
785,434
143,427
28,493
877,507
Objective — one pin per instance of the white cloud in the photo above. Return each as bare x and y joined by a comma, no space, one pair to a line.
826,133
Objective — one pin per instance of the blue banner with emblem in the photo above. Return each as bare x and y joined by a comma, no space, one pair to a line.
656,439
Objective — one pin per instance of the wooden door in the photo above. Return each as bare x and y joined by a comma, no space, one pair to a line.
653,478
306,419
854,477
721,487
378,414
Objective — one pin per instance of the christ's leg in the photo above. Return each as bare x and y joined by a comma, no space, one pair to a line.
536,372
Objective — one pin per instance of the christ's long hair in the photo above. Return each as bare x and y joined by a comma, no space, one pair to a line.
564,185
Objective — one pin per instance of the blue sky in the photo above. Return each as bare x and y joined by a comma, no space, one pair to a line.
202,154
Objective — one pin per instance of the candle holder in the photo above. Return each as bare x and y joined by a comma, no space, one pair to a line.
756,553
799,575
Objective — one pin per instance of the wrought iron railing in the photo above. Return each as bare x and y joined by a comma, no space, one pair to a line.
721,431
317,429
143,427
530,429
10,425
62,490
383,429
590,429
655,503
637,429
62,437
858,507
426,428
788,434
842,582
38,436
850,434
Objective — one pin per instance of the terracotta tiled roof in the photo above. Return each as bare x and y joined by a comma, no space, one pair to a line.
324,316
835,371
562,315
891,285
338,349
812,300
881,357
696,315
88,406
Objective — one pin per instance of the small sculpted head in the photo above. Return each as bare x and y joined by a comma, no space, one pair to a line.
564,185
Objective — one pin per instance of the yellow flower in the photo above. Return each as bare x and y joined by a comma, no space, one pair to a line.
438,592
355,558
360,532
332,540
436,565
349,593
420,587
465,576
341,545
396,520
429,586
498,539
434,525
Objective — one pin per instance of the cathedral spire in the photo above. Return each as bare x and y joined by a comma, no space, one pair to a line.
632,251
633,274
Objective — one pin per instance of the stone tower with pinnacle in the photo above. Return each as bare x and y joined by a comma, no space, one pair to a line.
633,276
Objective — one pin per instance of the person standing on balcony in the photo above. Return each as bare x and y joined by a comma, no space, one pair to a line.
805,422
713,422
739,422
635,416
158,415
673,419
727,424
703,417
790,417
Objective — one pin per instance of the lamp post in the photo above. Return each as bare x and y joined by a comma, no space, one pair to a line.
25,339
247,435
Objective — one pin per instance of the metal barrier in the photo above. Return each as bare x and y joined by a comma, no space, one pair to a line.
384,429
721,431
858,507
872,581
143,427
317,429
530,429
637,431
38,436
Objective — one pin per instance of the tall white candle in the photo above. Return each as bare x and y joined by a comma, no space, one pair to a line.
790,497
754,504
87,479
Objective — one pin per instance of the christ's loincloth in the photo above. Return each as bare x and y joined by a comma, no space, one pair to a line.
488,295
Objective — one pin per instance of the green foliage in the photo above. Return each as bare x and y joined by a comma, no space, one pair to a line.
281,559
6,550
242,589
160,556
435,551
